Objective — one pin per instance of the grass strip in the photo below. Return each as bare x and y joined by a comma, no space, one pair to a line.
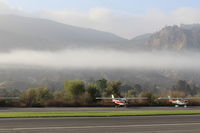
96,113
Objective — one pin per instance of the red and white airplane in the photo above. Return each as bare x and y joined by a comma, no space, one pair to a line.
121,101
179,101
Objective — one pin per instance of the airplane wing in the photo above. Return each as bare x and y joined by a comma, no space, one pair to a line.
137,98
132,98
104,98
180,98
191,98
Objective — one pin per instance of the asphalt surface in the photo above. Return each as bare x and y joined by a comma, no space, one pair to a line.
71,109
133,124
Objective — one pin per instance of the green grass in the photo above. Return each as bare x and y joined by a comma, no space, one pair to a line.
95,113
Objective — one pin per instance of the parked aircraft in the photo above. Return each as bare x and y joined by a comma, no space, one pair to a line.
121,101
179,101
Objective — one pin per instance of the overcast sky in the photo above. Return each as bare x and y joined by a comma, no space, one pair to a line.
126,18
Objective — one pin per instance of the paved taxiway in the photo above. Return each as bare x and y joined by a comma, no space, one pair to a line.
71,109
137,124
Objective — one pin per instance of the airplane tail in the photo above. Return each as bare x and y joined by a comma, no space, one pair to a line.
169,97
113,97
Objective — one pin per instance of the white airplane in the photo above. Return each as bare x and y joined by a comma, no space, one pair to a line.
121,101
179,101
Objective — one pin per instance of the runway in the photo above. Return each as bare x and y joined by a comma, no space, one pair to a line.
133,124
71,109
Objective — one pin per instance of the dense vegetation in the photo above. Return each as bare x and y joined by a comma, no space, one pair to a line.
80,93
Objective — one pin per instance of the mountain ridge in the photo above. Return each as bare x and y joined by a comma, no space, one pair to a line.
18,32
34,33
173,38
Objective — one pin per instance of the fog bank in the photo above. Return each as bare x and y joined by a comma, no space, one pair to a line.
97,59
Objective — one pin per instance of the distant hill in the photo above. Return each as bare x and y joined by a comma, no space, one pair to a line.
175,38
17,32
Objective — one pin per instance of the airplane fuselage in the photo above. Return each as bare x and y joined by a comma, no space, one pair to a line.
121,102
179,102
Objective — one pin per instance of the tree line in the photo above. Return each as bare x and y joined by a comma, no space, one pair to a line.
80,93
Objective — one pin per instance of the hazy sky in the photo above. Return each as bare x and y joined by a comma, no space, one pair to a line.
130,6
126,18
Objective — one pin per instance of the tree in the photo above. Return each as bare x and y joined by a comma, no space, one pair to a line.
93,92
125,89
28,97
151,98
35,96
113,88
101,84
42,95
59,98
74,89
131,93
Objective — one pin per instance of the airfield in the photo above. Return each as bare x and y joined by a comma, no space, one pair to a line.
121,124
82,109
130,124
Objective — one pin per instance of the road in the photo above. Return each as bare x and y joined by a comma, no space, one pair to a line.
70,109
133,124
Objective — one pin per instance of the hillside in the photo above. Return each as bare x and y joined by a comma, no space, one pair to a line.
173,38
17,32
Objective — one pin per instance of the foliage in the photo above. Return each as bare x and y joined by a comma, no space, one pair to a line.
74,90
35,96
151,98
113,88
101,84
93,92
80,93
75,87
131,93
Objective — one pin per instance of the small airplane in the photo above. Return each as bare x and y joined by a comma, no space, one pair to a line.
179,101
121,101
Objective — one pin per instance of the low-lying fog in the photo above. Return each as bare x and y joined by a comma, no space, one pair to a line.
106,59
